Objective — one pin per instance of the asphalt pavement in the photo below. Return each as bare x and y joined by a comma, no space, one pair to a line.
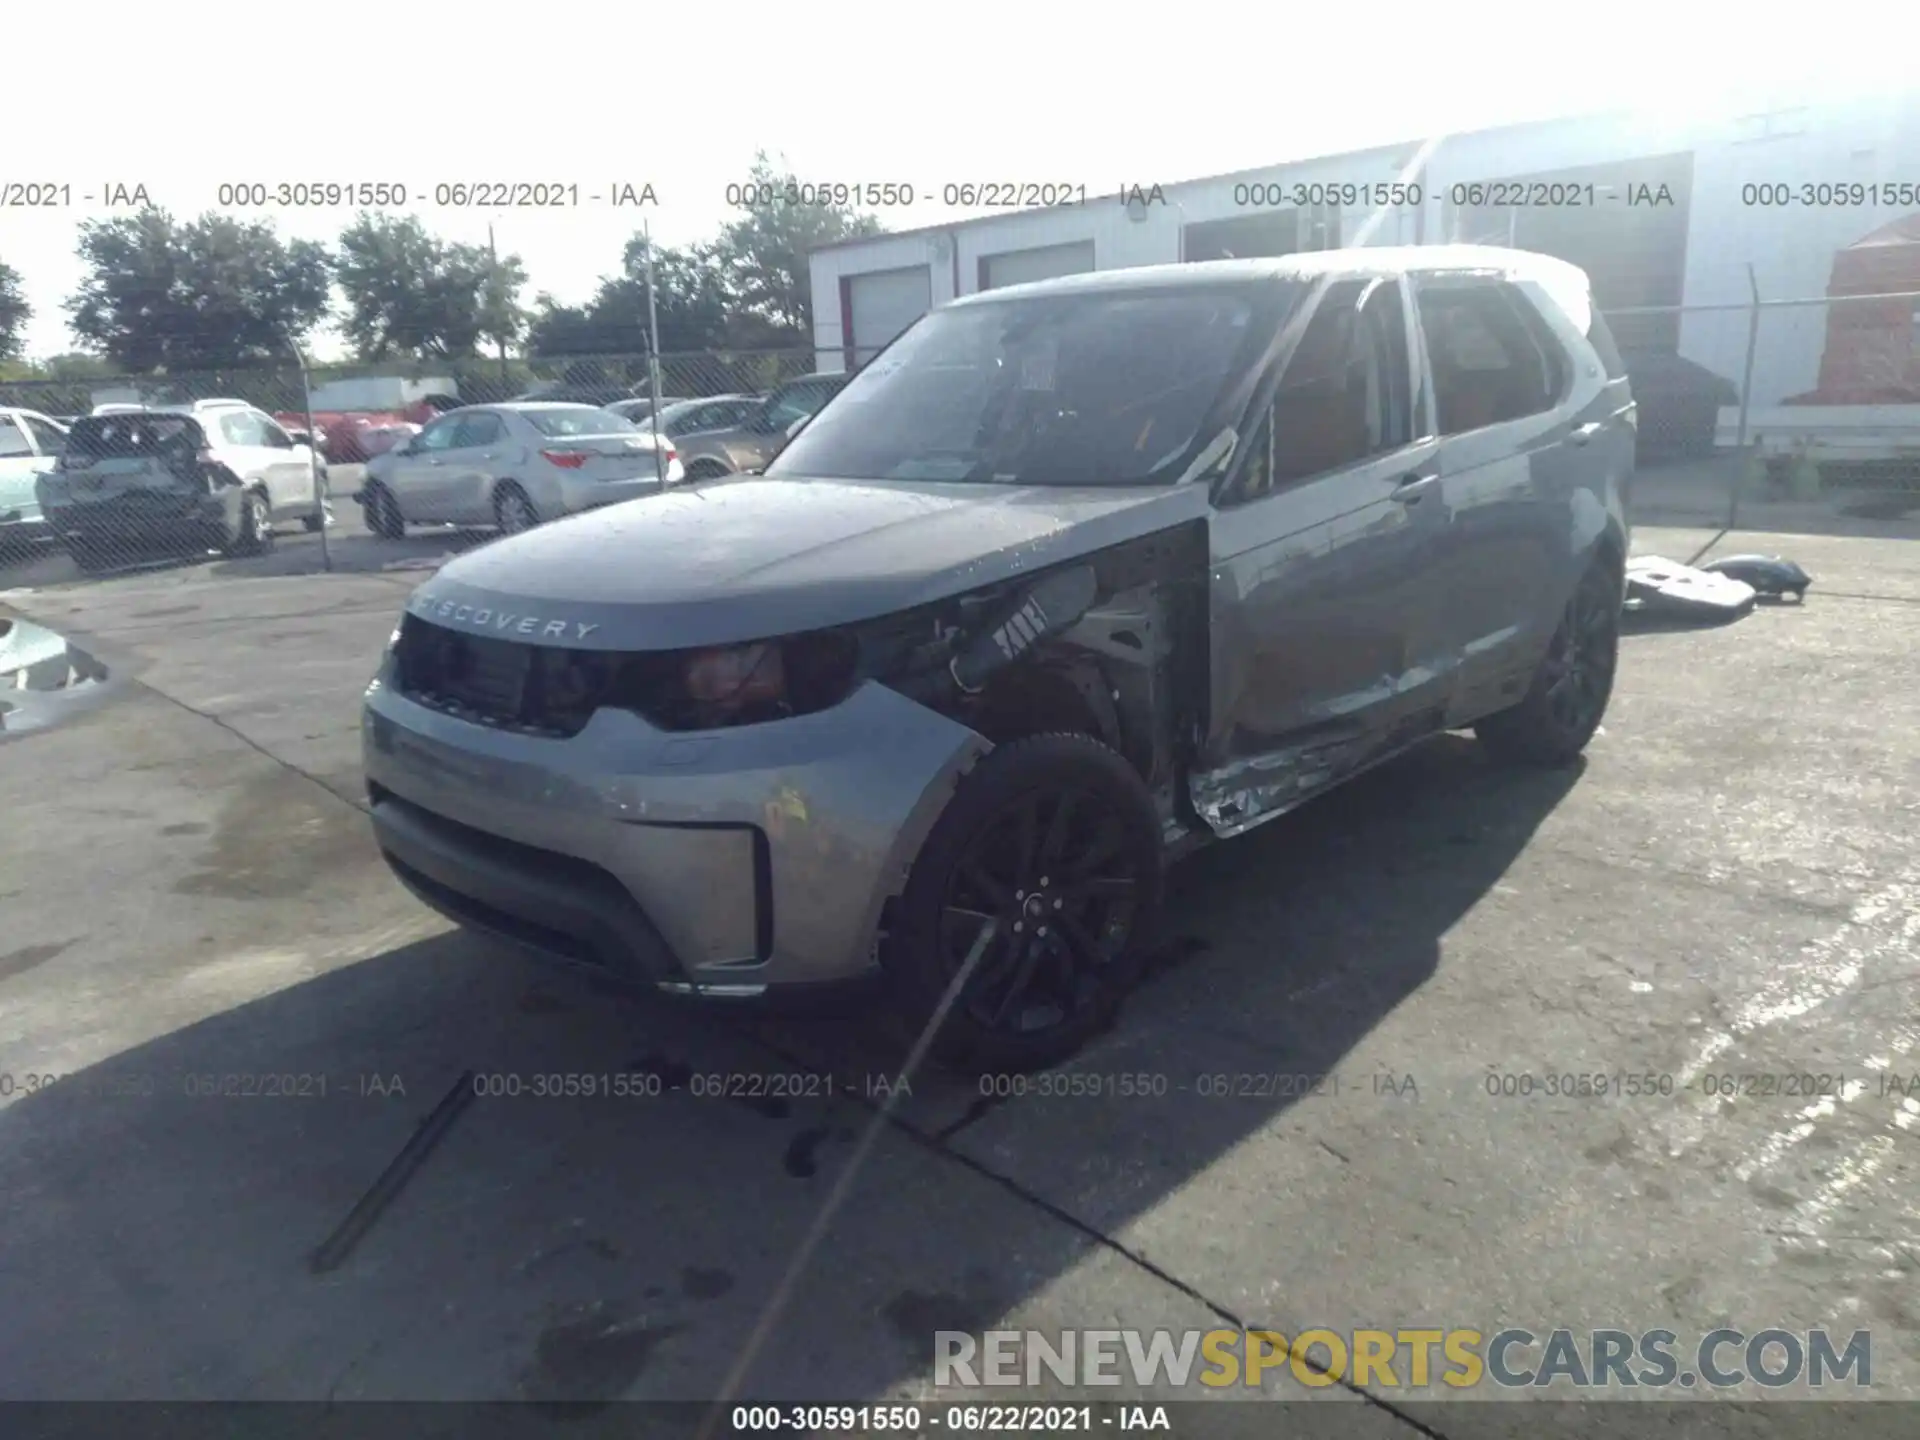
1726,891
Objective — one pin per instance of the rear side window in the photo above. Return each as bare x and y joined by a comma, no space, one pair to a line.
1491,355
13,440
110,437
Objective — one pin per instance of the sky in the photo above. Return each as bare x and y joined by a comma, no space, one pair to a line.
922,94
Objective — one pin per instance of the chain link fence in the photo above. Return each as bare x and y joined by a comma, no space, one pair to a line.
103,474
1803,407
1801,402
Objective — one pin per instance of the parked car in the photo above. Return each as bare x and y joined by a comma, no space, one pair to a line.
513,466
1077,576
560,393
30,445
215,474
351,437
755,440
716,412
640,409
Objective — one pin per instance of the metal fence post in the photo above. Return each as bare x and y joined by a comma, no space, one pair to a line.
653,357
1746,400
320,489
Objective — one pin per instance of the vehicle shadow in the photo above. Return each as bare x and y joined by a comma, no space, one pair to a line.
578,1249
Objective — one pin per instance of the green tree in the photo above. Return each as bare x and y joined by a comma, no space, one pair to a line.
15,312
412,295
209,294
764,254
690,301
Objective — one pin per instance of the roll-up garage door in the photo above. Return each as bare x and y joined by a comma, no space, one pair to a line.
882,304
1018,267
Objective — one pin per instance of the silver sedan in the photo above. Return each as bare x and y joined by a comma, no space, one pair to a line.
514,466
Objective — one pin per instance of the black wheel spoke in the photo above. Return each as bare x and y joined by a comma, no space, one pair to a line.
974,875
1100,887
1017,987
1053,848
1026,845
1084,945
1104,845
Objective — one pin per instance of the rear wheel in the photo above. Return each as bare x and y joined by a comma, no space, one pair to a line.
383,513
1564,704
253,529
1053,842
513,512
706,470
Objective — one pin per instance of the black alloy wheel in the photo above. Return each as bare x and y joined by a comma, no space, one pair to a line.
1049,849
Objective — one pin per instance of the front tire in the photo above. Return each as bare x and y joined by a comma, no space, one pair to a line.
513,512
1568,697
253,529
706,470
1055,839
383,513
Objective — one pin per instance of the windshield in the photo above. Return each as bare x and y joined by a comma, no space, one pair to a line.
1101,388
563,421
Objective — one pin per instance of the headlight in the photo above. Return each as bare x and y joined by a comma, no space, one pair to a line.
737,677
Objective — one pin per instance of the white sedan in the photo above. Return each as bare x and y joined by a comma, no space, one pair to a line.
514,466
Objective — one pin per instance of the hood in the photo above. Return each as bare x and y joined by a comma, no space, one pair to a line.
747,558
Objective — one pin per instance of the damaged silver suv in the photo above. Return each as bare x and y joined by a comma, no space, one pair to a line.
1072,577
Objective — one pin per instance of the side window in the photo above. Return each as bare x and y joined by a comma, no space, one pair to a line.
271,433
1493,359
1346,392
440,434
50,440
13,440
240,428
477,430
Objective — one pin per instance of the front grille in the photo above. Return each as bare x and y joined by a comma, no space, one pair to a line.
552,691
536,689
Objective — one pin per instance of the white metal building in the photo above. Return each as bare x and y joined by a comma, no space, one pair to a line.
1672,217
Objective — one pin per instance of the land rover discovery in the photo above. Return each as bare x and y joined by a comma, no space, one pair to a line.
1073,577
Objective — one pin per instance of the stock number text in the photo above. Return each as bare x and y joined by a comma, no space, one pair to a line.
322,194
761,194
1047,1084
625,1085
1273,193
1823,194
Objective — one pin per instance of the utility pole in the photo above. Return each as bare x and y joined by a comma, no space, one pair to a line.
653,349
493,260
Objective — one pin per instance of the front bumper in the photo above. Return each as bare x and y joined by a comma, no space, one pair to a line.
735,859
